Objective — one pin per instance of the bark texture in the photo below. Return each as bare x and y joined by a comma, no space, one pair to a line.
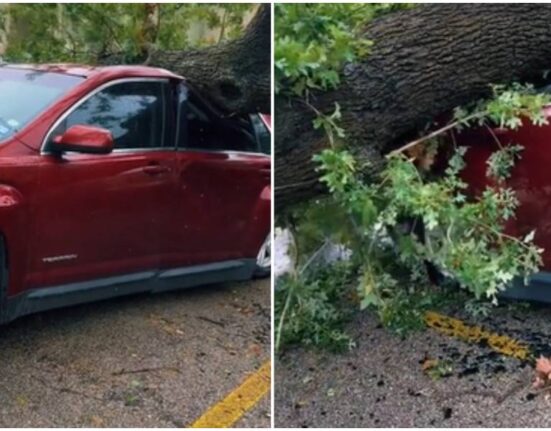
235,75
425,61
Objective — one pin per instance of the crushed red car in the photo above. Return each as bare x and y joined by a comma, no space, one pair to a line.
123,179
530,179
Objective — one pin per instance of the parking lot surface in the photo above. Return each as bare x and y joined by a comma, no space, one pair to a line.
381,383
140,361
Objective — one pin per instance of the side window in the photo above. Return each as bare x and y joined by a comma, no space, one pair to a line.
206,131
134,112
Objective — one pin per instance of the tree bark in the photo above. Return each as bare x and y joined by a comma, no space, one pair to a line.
149,29
424,62
236,75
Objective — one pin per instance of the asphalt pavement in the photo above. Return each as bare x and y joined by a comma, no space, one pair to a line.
382,383
140,361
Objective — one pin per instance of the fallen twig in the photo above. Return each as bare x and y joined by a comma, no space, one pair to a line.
145,370
66,390
214,322
432,134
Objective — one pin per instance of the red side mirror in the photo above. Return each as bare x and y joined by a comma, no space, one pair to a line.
85,139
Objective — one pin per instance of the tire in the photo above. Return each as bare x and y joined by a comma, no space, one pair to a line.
263,266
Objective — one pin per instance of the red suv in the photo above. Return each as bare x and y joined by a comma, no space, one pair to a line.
117,180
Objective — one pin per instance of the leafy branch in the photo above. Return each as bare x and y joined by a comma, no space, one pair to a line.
410,218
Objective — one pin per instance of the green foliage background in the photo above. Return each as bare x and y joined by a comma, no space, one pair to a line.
85,32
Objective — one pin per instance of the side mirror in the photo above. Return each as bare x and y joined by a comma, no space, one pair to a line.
84,139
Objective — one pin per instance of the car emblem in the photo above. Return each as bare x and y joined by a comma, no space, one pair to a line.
53,259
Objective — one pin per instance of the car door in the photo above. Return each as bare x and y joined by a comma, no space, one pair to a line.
102,215
222,207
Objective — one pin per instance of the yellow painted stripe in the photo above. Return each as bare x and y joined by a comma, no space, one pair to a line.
228,411
476,334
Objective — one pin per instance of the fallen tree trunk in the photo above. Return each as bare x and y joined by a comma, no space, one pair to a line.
235,75
425,61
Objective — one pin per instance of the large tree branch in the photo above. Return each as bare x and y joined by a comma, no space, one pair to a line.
235,75
425,61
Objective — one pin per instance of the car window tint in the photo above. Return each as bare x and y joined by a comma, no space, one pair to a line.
206,132
134,113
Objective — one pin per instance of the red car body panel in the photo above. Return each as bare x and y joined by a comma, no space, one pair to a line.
239,181
104,209
120,213
531,177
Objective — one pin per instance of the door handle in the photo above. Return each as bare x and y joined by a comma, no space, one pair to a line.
156,169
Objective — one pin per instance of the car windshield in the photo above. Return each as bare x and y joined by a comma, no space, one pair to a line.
25,93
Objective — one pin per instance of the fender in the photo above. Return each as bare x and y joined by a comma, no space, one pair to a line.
14,227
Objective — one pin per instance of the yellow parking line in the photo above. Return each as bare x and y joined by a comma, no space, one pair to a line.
476,334
228,411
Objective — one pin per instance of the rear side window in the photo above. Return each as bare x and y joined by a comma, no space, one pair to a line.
202,130
134,112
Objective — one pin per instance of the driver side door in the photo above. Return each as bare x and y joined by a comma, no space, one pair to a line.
104,215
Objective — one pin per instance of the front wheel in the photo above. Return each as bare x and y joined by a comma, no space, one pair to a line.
264,258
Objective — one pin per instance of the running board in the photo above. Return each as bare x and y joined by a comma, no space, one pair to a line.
537,290
48,298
